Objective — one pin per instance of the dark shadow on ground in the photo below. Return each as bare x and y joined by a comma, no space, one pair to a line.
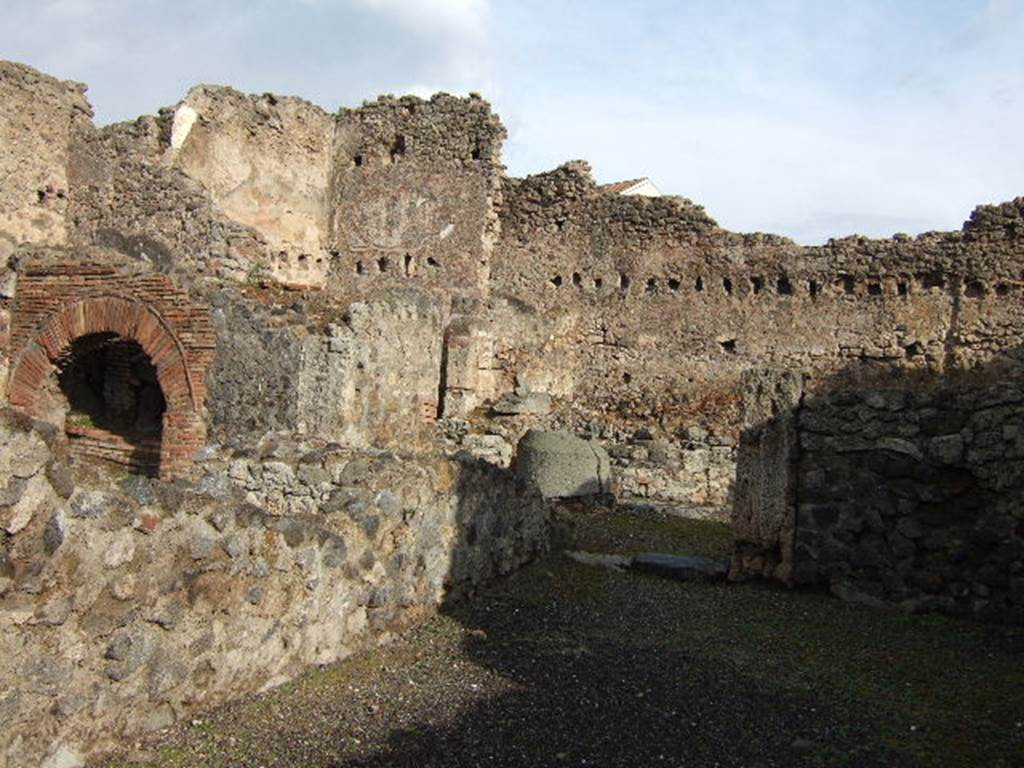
582,698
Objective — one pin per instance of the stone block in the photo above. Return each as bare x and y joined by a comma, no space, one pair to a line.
680,568
561,465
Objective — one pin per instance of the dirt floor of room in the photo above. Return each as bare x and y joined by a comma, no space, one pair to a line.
566,664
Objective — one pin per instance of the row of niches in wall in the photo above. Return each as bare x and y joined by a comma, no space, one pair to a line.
307,266
785,286
408,265
303,262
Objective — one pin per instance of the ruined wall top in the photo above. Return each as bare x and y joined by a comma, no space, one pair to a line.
36,125
443,130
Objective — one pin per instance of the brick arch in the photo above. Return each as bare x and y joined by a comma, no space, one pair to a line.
183,428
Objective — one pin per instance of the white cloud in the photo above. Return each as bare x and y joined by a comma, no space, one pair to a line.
868,117
463,17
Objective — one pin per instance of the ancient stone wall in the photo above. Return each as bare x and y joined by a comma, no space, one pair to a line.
415,184
125,606
915,497
644,314
764,507
38,122
39,119
265,162
369,376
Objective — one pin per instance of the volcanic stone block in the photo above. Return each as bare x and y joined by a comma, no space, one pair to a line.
561,465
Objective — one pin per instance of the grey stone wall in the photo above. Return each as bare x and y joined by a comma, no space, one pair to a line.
126,605
915,497
365,375
634,315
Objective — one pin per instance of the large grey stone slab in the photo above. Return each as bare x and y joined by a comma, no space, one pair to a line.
560,465
683,568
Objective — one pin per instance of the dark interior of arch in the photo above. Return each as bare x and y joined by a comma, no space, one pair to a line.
115,403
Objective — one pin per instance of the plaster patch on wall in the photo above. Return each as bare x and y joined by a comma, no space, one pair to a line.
184,119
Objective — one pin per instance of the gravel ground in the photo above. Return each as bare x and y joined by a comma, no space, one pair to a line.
565,664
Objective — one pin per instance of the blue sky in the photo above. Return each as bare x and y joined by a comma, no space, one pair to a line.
810,118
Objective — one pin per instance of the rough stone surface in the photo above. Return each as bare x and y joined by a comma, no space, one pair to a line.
231,591
560,465
373,279
764,504
909,498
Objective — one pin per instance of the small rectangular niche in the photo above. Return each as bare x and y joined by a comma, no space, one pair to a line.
847,284
577,279
757,284
398,148
624,281
902,289
783,286
974,289
874,288
727,286
728,346
674,284
813,288
556,281
698,284
383,264
929,280
652,285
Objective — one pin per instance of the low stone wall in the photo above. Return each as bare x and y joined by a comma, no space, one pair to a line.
915,497
127,604
697,471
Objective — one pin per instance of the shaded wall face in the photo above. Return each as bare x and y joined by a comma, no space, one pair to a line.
915,497
109,402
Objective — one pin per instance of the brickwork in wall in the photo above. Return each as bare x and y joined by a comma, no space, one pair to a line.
59,302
